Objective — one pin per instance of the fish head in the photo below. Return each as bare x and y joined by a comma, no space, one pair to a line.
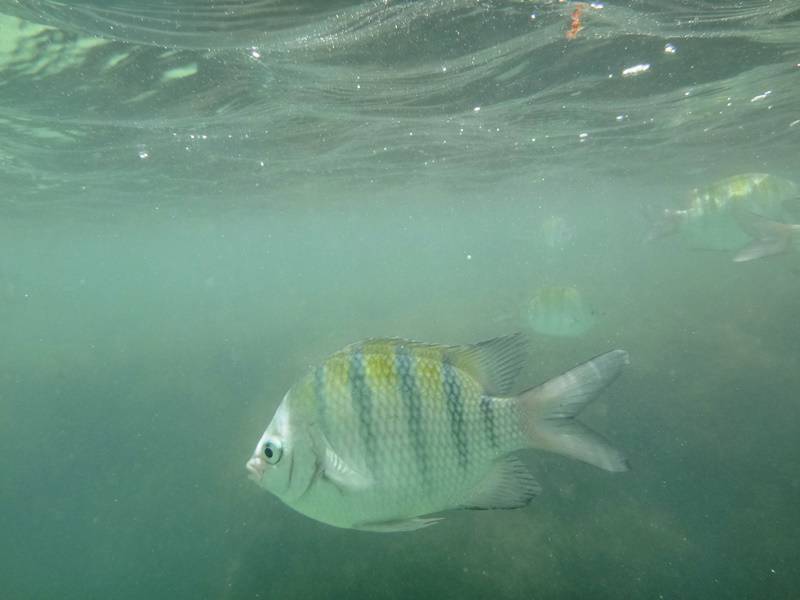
279,453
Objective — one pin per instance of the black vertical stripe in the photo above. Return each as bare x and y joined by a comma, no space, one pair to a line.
320,400
362,404
455,412
409,391
487,411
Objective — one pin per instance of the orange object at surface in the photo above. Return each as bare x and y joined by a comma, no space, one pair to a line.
575,21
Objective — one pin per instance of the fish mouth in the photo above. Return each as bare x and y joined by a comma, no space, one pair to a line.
256,467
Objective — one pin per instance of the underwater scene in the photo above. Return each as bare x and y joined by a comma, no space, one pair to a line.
399,299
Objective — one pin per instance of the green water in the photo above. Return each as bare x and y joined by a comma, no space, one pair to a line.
177,247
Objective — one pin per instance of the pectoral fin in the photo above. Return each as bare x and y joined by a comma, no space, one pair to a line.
334,468
342,475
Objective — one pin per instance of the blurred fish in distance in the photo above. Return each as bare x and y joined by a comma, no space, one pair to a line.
559,311
556,232
745,212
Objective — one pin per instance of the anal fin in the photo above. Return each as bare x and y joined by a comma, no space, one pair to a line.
769,237
508,484
397,526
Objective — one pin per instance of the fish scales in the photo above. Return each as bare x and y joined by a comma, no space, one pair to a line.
409,413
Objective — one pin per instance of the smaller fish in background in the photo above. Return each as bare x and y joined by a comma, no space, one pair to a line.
745,211
556,233
559,311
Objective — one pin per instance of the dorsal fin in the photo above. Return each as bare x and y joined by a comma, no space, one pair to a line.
494,363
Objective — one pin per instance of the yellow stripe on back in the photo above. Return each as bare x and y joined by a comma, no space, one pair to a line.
337,374
430,378
380,369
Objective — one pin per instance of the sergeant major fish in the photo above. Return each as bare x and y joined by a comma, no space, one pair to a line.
386,432
744,211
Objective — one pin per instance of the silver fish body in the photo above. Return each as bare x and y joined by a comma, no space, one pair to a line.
386,432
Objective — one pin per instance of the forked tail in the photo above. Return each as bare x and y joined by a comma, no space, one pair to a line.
549,412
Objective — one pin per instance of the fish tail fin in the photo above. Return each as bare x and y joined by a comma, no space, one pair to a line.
769,237
549,412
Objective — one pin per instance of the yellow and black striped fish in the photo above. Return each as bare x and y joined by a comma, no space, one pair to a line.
388,431
744,211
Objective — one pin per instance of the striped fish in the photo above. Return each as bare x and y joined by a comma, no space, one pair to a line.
386,432
559,311
744,211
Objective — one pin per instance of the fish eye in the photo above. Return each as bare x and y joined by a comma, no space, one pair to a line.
273,451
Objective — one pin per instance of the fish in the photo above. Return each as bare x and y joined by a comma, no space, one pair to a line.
556,233
745,211
386,434
559,311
